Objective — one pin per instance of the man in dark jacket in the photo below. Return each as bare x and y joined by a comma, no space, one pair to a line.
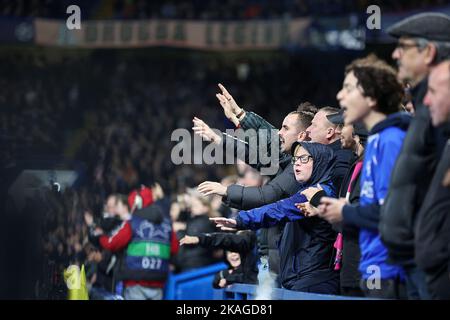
284,184
325,132
422,42
432,242
281,185
353,137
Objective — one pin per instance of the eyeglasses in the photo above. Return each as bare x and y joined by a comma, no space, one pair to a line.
402,46
304,158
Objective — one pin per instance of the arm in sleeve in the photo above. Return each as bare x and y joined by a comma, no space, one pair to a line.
272,214
174,245
217,277
366,217
264,133
244,198
118,240
256,122
235,277
227,241
315,200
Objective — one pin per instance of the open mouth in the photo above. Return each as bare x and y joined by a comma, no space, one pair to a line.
298,171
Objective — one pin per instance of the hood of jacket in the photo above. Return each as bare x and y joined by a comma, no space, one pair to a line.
323,157
400,120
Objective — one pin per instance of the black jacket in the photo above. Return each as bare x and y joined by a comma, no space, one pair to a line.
310,255
344,158
432,242
243,243
190,257
409,184
281,185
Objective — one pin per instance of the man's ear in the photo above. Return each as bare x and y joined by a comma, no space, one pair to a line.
371,102
302,136
330,132
430,54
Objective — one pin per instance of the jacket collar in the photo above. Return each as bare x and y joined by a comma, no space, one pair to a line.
400,120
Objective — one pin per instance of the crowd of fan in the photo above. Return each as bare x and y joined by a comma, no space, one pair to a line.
125,140
358,206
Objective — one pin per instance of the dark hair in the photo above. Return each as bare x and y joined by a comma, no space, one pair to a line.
123,199
379,82
307,107
305,112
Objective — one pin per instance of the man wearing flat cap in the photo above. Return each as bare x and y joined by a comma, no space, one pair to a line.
423,41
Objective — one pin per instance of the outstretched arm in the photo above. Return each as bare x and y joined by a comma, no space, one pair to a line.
271,214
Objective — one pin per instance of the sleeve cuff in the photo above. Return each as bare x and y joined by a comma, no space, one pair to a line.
240,225
315,200
202,239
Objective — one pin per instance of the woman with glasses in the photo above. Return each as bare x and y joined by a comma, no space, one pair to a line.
306,244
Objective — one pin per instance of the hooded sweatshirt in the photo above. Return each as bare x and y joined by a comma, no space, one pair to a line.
383,147
306,244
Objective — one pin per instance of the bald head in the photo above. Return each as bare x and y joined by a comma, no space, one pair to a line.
437,98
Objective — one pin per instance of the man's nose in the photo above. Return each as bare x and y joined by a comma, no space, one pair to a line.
426,100
396,54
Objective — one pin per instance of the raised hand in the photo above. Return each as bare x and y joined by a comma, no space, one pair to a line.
225,224
203,130
189,240
229,105
208,187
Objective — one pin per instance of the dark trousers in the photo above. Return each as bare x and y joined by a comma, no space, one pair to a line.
439,284
416,284
389,289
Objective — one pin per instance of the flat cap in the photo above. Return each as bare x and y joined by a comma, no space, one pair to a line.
428,25
336,118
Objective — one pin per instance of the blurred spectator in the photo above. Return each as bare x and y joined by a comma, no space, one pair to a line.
240,255
423,41
432,252
200,211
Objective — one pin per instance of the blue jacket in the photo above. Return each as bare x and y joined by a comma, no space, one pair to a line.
306,244
383,147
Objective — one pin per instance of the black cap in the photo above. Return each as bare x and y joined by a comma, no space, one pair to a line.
427,25
336,118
